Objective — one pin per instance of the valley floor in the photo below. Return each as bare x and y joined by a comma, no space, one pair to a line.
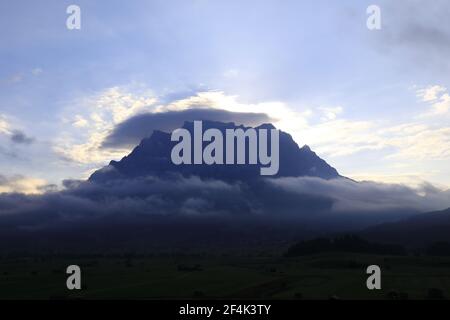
221,276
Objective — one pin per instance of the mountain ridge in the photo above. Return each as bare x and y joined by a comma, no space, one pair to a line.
418,230
152,157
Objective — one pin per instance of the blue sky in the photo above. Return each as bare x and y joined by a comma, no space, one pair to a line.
374,104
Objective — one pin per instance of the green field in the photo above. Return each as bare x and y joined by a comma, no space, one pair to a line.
223,276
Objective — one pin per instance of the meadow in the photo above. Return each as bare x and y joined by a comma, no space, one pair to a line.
224,276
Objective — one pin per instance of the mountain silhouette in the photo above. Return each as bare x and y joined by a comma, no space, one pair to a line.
418,230
153,157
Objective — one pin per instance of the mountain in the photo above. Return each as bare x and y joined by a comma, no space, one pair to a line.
419,230
153,157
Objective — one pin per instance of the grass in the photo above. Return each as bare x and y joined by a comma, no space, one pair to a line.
239,277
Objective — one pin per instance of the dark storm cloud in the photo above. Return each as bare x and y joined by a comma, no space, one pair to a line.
301,198
132,131
175,210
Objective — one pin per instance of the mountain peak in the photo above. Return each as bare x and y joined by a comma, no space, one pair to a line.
152,157
267,126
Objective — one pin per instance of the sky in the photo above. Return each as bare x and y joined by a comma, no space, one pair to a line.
375,104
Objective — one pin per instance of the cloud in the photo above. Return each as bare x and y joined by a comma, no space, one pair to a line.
105,126
109,124
215,99
175,209
291,201
5,127
21,184
37,71
19,137
430,93
423,36
411,179
130,132
421,138
368,196
80,122
413,140
419,36
442,106
418,141
333,135
341,137
330,113
89,120
438,98
15,135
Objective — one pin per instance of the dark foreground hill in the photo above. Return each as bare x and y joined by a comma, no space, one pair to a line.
419,230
